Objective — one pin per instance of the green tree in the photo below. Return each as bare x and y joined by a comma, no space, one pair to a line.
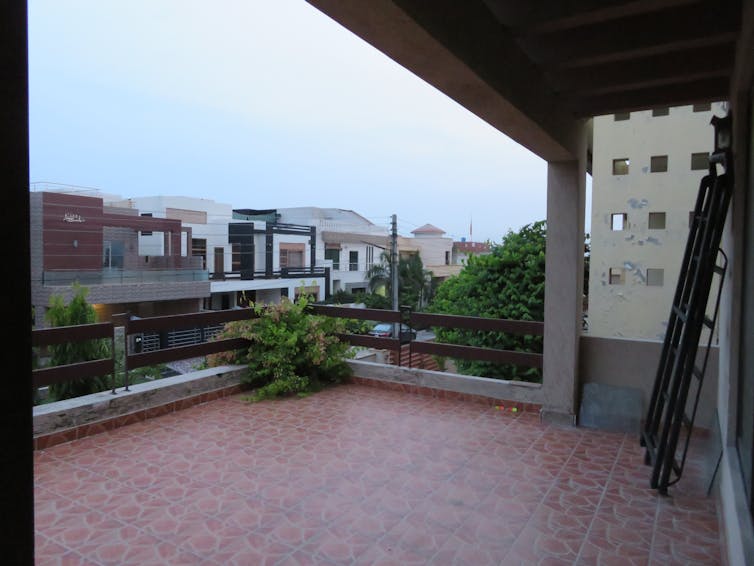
415,284
507,283
77,311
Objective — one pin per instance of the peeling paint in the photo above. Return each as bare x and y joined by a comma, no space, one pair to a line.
645,169
653,240
631,237
640,242
635,203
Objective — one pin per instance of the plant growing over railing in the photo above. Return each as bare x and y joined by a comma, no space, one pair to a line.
291,351
77,311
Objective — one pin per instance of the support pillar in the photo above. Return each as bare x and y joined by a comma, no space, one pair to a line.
564,278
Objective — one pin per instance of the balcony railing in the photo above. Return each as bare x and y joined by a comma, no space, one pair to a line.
123,276
166,339
283,273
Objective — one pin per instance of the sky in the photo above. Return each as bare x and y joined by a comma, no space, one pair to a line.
262,104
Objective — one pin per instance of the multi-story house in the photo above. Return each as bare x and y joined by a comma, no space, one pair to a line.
76,238
647,166
349,243
434,249
249,255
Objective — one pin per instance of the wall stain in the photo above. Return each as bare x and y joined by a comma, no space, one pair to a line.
636,203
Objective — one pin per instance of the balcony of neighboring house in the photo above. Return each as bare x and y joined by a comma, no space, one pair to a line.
401,464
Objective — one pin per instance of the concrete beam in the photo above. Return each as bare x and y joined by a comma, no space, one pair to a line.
455,47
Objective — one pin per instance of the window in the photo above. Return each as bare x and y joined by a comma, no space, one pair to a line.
618,221
620,116
235,257
655,277
691,218
699,161
112,254
664,111
616,276
334,255
370,256
620,166
447,258
291,258
706,107
656,221
199,249
353,261
658,163
146,233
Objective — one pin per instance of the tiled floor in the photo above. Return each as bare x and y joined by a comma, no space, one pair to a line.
359,475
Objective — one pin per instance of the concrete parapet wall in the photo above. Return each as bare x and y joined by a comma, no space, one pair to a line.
70,419
493,389
623,362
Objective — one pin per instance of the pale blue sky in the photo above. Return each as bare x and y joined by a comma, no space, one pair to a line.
261,104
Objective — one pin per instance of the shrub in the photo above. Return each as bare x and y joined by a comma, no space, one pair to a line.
291,351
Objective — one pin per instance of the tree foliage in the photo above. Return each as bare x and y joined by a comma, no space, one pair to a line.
77,311
508,283
291,351
415,284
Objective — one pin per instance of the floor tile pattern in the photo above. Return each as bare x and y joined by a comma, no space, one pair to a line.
357,475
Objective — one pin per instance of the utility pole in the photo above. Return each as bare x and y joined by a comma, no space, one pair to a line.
394,269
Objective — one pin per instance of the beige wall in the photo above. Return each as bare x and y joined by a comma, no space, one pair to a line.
634,309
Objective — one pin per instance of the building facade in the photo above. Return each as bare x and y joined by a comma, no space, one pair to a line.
647,166
79,239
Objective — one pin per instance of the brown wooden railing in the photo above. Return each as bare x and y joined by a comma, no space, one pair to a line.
161,324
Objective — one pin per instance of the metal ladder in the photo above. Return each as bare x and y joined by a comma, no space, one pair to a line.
671,411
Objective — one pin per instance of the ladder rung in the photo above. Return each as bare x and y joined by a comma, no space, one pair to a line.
697,372
680,313
719,269
708,322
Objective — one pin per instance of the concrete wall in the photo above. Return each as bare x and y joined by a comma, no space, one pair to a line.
633,309
633,363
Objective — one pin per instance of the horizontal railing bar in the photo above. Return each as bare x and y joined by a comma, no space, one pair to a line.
526,327
378,315
528,359
371,341
143,359
182,321
58,374
63,334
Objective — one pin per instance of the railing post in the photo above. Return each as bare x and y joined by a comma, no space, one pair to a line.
121,320
405,320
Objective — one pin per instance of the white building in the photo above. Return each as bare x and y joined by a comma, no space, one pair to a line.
346,242
249,258
647,167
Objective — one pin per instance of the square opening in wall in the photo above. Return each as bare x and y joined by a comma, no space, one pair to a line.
620,166
616,276
699,161
663,111
655,277
658,163
620,116
618,221
656,220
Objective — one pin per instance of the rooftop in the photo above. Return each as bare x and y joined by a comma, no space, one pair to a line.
363,475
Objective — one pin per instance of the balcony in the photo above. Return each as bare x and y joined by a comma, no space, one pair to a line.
362,475
376,471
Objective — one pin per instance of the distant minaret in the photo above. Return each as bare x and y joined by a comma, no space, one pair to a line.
471,231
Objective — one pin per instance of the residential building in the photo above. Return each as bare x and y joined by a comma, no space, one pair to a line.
463,249
250,256
647,166
434,249
76,238
346,242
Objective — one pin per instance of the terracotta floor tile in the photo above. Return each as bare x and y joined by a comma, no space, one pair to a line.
362,475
